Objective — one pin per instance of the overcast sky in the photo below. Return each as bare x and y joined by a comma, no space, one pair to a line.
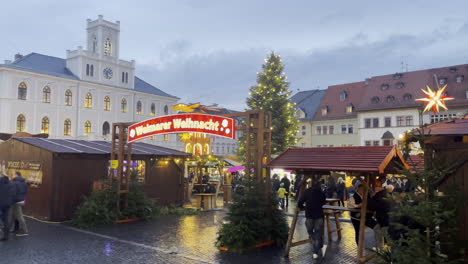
211,50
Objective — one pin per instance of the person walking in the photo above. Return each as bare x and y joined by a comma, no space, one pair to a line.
381,206
282,194
7,192
314,199
355,202
275,183
331,187
16,210
341,191
297,185
287,185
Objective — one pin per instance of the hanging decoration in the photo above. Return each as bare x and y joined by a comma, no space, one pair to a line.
434,99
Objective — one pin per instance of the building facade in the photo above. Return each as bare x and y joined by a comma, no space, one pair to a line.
306,103
79,97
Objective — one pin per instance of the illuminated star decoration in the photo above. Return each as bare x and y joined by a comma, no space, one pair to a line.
435,99
185,136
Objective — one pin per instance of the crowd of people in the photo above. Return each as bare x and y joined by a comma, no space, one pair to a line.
12,197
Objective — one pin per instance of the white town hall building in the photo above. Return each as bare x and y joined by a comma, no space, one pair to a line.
79,97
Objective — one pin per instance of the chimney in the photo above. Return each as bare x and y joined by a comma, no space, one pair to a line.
18,56
366,81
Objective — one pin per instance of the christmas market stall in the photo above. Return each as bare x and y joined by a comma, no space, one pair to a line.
61,172
366,162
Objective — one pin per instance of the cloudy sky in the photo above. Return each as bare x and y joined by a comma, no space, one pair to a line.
211,50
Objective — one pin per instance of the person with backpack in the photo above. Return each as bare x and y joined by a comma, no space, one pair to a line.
16,210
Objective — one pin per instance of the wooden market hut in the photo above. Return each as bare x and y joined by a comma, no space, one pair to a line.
61,172
359,161
448,144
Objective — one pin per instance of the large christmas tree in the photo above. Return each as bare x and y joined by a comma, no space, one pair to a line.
272,94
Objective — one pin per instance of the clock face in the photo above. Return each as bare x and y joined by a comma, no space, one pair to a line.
107,73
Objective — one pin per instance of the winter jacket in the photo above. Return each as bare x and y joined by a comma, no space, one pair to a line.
282,193
21,189
276,185
314,200
7,191
286,182
355,202
340,190
381,207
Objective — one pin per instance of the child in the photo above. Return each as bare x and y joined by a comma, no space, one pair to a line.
282,194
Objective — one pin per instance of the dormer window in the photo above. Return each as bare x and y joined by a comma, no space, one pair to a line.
460,78
375,100
407,97
384,87
325,110
397,76
453,69
349,108
442,81
343,95
399,85
390,99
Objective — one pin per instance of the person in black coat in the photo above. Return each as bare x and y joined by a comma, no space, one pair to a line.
287,185
275,183
314,199
331,187
341,191
7,192
297,186
355,202
381,206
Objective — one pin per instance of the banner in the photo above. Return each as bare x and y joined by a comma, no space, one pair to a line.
31,171
183,123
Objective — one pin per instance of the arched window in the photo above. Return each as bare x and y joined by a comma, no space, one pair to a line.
153,109
390,99
166,110
45,125
22,91
138,108
105,129
87,128
46,94
375,100
68,97
20,123
94,44
67,127
123,105
107,47
107,103
88,101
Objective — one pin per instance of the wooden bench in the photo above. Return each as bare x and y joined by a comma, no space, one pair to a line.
206,201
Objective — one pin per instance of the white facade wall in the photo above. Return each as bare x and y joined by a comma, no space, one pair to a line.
34,109
375,133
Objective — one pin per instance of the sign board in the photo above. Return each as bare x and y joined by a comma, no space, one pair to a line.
31,171
114,164
183,123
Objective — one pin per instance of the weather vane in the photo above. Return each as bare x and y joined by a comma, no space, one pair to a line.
434,99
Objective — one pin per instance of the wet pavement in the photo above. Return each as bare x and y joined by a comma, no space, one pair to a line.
169,239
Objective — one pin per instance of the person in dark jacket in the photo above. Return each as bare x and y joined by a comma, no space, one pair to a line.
275,183
287,185
314,199
341,191
7,192
331,187
355,202
297,186
381,206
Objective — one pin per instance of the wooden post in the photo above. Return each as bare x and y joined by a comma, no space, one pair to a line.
362,226
294,221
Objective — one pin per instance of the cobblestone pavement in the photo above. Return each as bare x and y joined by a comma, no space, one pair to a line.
185,239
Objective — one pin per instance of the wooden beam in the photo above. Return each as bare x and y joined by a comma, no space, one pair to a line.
302,242
362,226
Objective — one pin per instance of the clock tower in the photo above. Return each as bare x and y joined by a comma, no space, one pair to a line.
100,61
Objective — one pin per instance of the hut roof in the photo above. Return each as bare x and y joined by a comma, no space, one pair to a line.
357,159
96,147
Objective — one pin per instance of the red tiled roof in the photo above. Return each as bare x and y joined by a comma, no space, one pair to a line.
337,108
413,82
360,159
449,127
416,162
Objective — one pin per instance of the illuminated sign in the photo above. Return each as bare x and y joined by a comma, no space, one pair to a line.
191,123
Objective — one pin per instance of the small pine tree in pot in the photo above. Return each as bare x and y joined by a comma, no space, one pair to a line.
253,218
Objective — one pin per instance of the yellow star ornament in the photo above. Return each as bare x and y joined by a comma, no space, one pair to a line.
435,99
